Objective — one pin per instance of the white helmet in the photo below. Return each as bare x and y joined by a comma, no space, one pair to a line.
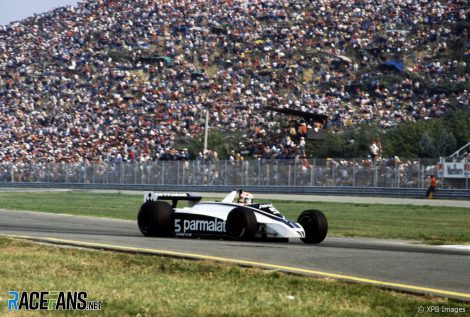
245,198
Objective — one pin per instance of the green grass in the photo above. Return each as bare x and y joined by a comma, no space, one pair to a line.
142,285
110,205
428,224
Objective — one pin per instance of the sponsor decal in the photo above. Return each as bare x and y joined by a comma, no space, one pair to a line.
51,300
265,206
456,170
167,196
176,195
199,225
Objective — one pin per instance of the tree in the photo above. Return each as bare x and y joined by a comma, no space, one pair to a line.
446,143
458,123
222,142
427,147
403,140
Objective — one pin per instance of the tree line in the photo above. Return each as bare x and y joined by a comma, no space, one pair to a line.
433,138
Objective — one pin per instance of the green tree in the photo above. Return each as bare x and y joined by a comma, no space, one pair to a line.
403,140
427,147
422,139
446,143
458,123
331,146
222,142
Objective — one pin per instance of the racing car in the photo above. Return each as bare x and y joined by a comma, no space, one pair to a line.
236,217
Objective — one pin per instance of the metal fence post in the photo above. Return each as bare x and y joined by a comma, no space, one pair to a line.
209,172
420,178
397,174
267,173
84,173
107,175
247,173
135,171
354,173
289,170
193,175
333,172
225,172
295,172
312,173
65,172
375,173
276,173
178,172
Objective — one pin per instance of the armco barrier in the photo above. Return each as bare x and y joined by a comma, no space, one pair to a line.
460,194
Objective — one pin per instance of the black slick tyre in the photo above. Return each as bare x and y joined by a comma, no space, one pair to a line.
315,225
155,219
241,224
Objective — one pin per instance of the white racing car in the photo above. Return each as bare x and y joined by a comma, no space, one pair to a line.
235,217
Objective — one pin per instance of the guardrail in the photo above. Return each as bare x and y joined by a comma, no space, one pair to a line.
461,194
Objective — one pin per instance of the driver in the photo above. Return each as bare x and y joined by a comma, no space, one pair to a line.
245,198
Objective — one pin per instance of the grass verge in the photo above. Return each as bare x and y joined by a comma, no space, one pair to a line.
140,285
428,224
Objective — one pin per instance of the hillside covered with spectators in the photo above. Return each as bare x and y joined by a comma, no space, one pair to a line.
132,79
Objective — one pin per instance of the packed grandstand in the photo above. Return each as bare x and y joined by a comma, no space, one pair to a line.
120,80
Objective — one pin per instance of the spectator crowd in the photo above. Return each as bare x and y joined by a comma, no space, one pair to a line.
123,80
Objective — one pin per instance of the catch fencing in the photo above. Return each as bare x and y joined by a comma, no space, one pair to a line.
272,173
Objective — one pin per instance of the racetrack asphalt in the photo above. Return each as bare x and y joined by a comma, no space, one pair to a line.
439,271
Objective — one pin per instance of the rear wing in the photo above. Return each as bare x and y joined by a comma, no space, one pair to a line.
174,197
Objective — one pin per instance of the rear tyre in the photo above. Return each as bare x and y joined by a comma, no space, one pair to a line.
241,224
315,225
155,219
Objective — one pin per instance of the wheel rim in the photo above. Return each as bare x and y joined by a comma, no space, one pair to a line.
305,220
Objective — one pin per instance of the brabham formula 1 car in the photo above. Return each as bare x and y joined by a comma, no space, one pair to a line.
235,217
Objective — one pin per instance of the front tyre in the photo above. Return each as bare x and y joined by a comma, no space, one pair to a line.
315,225
155,219
241,224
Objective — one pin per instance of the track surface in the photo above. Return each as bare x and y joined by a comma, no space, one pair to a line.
442,271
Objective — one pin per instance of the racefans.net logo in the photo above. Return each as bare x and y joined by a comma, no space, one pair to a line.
51,300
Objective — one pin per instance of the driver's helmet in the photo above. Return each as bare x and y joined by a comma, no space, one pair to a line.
245,198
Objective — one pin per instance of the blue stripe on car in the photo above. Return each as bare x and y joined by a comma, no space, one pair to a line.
264,213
